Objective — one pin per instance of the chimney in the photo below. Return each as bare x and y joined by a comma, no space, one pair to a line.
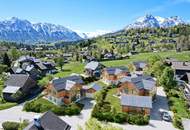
37,122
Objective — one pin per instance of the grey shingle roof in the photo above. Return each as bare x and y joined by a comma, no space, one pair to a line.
93,65
140,64
49,121
136,101
62,84
141,82
17,70
179,65
28,58
41,66
116,70
18,80
93,86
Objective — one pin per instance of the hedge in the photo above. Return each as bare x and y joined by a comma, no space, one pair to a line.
10,125
40,107
103,111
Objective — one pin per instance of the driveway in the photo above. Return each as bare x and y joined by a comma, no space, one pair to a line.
74,121
155,120
16,114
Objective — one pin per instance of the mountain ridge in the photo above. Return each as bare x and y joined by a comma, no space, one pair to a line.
19,30
150,21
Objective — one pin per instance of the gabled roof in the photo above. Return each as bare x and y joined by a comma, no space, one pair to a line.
41,66
17,70
49,65
140,64
15,82
29,68
116,70
49,121
93,86
179,65
66,83
136,101
93,65
18,80
11,89
141,82
28,58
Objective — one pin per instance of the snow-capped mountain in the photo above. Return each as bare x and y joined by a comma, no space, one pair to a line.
157,21
18,30
86,35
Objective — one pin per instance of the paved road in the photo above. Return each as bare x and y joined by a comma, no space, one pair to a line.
155,121
16,114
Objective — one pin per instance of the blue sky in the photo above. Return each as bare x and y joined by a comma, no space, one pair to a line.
92,15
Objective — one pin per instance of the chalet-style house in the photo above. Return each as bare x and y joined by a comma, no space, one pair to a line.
48,121
139,65
93,69
32,63
186,78
65,90
18,86
26,69
137,104
112,75
89,90
46,67
180,68
17,70
137,85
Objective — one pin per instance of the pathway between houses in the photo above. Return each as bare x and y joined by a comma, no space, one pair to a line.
16,114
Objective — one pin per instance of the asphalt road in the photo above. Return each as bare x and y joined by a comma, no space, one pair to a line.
16,114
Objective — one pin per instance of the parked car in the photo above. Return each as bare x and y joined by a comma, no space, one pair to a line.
166,116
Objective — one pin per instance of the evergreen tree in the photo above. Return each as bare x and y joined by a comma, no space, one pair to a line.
6,60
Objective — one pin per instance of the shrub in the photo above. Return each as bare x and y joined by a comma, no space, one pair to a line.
177,122
120,117
138,119
58,111
39,106
10,125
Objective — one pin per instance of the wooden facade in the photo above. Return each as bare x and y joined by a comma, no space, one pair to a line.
64,96
130,109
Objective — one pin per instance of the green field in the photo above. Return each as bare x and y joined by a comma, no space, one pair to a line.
184,56
115,101
77,67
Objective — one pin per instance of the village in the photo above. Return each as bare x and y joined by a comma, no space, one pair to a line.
126,96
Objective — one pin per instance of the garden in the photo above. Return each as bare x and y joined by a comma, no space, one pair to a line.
41,105
108,109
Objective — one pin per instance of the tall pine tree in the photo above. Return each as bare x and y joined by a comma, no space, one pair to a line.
6,60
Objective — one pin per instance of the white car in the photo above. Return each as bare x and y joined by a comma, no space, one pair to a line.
166,116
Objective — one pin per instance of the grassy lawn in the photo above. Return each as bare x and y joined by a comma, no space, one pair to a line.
180,106
44,102
72,67
69,68
115,101
77,67
7,105
1,85
184,56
